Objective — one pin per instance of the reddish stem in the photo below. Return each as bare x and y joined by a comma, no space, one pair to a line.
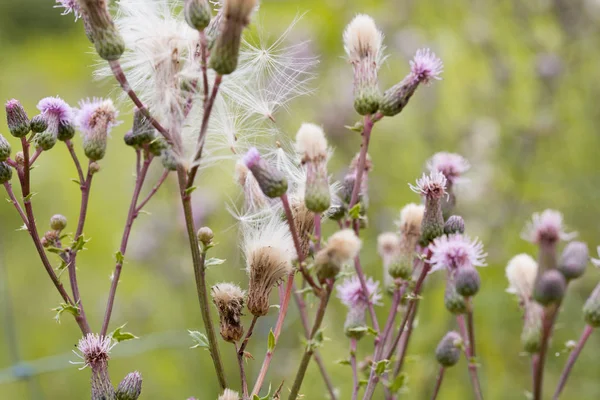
460,319
356,385
587,331
438,383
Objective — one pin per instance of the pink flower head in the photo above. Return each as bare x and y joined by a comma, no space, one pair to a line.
452,165
456,251
56,111
351,293
95,349
432,185
546,226
251,158
96,117
70,6
426,66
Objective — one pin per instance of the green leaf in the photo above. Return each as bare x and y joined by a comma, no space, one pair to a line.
343,362
63,307
363,382
271,343
255,397
354,212
55,250
398,383
121,336
357,127
190,189
29,196
199,338
381,366
120,257
211,262
79,244
76,181
372,331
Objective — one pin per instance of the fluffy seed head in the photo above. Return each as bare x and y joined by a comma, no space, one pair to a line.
229,299
432,185
426,66
341,247
388,245
521,272
452,165
456,251
311,143
362,39
95,349
351,293
411,218
547,227
229,394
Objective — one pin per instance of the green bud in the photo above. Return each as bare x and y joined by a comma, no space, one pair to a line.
591,309
396,98
58,222
317,197
108,42
130,387
142,132
198,13
225,53
401,268
573,260
454,224
550,288
94,146
17,119
467,281
454,302
366,100
337,212
5,172
272,182
433,221
130,139
355,326
448,350
4,148
66,131
205,235
157,146
38,124
45,140
169,161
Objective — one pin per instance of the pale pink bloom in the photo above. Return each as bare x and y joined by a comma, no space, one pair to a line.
546,226
456,251
432,185
426,66
351,293
56,112
70,6
94,349
452,165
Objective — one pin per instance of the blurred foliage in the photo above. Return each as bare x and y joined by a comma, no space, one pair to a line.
518,99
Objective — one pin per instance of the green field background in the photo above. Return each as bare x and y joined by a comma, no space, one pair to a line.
520,98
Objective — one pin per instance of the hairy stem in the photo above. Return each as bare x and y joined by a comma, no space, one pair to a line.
460,319
550,313
587,331
438,383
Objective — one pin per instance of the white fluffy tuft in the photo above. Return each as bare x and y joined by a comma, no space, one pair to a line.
311,142
521,272
362,39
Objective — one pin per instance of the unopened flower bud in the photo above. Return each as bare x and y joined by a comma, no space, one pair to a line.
130,387
205,235
454,224
169,160
5,173
229,394
38,124
142,131
197,13
229,300
225,52
66,131
355,326
20,158
433,187
4,148
129,139
58,222
45,140
271,181
448,350
317,196
454,302
573,260
157,145
591,309
549,288
17,119
532,328
94,168
467,281
52,237
401,268
341,247
337,212
105,36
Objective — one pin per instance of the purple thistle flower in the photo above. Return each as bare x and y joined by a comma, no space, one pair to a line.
546,226
70,6
96,115
56,111
251,158
426,66
351,293
456,251
452,165
432,185
94,349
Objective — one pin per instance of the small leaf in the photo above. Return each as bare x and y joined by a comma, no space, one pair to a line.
199,338
354,212
255,397
343,362
363,382
29,196
76,181
120,257
372,331
190,189
79,244
271,343
357,127
63,307
211,262
398,383
55,250
120,336
381,366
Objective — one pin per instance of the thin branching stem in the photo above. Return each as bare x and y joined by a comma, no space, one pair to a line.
353,365
539,359
240,357
161,180
15,202
587,331
462,326
438,383
71,149
471,326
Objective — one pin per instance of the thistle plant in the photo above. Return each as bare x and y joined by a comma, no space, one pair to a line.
204,94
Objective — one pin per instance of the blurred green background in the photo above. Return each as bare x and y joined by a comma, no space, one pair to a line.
519,99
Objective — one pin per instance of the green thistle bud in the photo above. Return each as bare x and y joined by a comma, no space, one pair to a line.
168,159
401,268
5,172
454,224
272,182
17,119
58,222
94,168
448,350
94,148
205,235
157,146
591,309
130,387
433,187
550,288
142,132
38,124
532,328
573,260
453,301
130,139
337,212
197,13
4,148
105,36
45,140
317,197
467,281
396,98
355,326
66,131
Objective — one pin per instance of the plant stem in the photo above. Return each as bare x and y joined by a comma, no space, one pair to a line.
405,340
199,274
80,175
317,232
587,331
362,159
15,202
35,156
538,376
438,383
471,327
363,284
162,179
460,319
240,357
131,216
356,385
294,391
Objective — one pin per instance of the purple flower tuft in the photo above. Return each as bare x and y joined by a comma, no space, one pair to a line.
56,111
70,6
426,66
251,158
546,227
433,185
96,116
456,251
351,293
452,165
95,349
